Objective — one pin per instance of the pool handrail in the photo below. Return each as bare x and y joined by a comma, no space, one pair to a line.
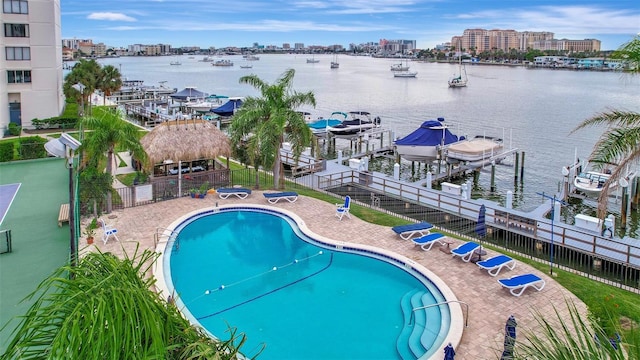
466,318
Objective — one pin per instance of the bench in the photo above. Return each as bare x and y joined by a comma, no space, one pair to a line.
63,215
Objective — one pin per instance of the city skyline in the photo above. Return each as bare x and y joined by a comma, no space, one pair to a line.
242,23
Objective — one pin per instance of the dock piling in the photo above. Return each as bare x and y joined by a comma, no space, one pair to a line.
522,168
493,176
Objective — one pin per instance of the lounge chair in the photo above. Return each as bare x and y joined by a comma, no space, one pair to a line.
466,250
273,198
241,193
108,231
427,241
343,209
519,283
408,231
496,263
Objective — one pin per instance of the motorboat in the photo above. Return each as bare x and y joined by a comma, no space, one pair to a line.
320,127
247,66
175,62
229,108
592,182
478,149
224,62
312,60
426,142
207,104
405,74
358,122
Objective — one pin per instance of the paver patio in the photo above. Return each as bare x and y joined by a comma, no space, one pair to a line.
489,304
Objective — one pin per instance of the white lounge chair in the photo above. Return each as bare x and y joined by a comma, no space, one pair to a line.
427,241
496,263
519,283
410,230
273,198
465,251
343,209
241,193
108,231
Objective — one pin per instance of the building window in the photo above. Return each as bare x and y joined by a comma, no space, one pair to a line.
18,53
15,6
16,30
18,76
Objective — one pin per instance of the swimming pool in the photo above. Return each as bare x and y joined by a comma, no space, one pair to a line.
262,271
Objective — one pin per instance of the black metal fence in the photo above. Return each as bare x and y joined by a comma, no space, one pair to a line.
517,239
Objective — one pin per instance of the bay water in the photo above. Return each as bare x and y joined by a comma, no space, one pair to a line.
533,110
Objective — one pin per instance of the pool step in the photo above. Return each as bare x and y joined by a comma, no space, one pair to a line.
419,321
432,315
402,344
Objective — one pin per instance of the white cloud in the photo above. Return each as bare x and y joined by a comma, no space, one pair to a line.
110,16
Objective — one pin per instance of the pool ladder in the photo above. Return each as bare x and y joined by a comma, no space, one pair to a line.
160,235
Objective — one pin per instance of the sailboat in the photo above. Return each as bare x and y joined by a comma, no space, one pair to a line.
334,63
461,79
312,60
404,73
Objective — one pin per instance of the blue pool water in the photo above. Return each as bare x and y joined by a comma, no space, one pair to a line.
256,271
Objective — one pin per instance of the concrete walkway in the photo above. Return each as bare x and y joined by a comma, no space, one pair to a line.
489,304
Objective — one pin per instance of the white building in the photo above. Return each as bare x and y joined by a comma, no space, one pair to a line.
31,62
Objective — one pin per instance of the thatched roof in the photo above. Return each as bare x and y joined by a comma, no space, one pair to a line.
185,140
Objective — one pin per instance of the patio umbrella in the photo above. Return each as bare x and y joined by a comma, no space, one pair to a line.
184,140
449,353
509,338
481,226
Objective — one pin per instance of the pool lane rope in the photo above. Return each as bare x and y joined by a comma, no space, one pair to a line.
275,268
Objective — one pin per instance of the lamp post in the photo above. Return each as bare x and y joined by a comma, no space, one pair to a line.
80,87
65,147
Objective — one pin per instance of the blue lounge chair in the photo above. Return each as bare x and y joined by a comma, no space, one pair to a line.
408,231
496,263
519,283
273,198
427,241
343,209
241,193
466,250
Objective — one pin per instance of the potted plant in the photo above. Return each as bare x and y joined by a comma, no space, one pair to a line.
193,192
90,231
203,189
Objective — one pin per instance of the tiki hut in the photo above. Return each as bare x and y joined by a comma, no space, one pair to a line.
184,140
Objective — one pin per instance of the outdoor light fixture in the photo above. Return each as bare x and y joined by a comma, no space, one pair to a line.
65,147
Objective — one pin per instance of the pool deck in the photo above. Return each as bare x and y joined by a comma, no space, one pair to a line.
490,305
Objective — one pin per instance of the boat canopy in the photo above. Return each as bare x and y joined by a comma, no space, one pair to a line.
189,93
430,133
228,108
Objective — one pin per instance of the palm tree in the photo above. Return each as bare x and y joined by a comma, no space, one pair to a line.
620,143
267,121
87,73
108,311
110,81
108,131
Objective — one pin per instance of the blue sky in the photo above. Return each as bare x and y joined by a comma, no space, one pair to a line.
240,23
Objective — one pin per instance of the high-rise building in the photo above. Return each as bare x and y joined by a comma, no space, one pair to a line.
490,40
31,63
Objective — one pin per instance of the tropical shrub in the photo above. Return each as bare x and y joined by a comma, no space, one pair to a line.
6,151
32,147
14,129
